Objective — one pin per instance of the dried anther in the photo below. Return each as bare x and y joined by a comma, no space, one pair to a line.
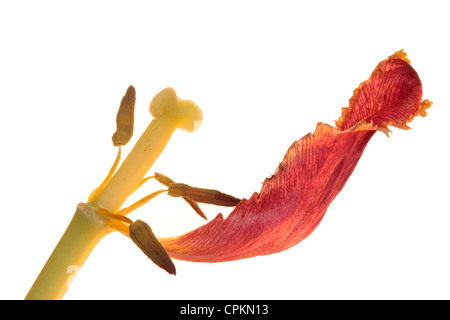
123,134
193,195
125,118
201,195
195,207
163,179
143,236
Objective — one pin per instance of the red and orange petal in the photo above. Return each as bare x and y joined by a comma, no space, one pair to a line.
314,170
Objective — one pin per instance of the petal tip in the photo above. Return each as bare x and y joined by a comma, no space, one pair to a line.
402,55
391,96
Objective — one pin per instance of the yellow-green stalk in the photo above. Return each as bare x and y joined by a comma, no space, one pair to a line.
84,232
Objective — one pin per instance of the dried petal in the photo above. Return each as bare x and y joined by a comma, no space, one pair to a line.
314,170
390,97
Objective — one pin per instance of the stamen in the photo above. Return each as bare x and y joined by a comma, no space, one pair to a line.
196,208
144,181
201,195
140,203
123,134
143,236
125,118
116,221
122,227
94,193
193,195
165,180
114,216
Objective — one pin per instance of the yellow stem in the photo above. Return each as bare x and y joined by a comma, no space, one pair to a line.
85,230
137,163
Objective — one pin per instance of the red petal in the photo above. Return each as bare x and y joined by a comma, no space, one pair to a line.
390,97
314,170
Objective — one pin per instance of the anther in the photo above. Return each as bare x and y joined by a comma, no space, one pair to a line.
125,118
123,134
143,236
201,195
165,180
196,208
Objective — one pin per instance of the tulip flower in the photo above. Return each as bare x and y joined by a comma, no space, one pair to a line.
289,206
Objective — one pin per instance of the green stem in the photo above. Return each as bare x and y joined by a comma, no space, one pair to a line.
85,230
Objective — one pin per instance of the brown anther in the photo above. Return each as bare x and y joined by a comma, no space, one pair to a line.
165,180
201,195
125,118
196,208
143,236
193,195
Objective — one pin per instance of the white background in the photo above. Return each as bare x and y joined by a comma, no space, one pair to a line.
264,73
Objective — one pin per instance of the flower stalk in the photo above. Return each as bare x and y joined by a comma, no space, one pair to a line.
84,232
